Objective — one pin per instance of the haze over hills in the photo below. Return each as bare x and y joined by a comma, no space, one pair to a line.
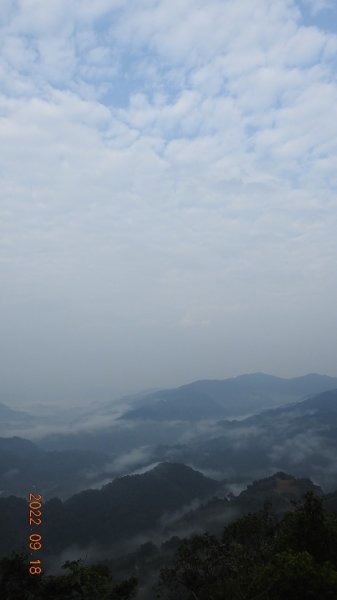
24,464
300,438
207,399
284,438
281,490
171,499
16,418
204,399
168,222
171,409
202,527
188,425
127,507
195,474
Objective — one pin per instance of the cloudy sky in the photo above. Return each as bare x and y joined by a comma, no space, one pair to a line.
168,203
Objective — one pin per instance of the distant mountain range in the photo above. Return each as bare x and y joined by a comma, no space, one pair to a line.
161,417
300,438
23,464
187,425
9,417
200,400
130,481
233,397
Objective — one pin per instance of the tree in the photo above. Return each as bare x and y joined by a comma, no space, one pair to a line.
82,582
260,557
15,579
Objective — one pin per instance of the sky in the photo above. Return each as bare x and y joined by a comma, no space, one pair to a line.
168,176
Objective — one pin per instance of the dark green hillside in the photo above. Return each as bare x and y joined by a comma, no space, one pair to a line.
284,549
280,491
78,582
123,509
260,557
126,507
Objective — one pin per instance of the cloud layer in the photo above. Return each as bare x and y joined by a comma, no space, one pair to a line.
168,192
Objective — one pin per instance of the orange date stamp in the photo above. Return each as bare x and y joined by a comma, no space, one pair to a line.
35,538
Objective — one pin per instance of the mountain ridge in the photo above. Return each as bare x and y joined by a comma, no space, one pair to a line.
216,398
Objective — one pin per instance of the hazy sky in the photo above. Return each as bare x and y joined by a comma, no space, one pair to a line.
168,199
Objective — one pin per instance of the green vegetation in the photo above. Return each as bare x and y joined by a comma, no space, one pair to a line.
80,583
260,557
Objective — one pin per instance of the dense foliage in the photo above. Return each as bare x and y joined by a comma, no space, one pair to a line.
81,582
260,557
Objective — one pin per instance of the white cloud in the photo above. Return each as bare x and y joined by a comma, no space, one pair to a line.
164,165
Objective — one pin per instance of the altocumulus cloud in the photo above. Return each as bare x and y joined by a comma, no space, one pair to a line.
168,192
